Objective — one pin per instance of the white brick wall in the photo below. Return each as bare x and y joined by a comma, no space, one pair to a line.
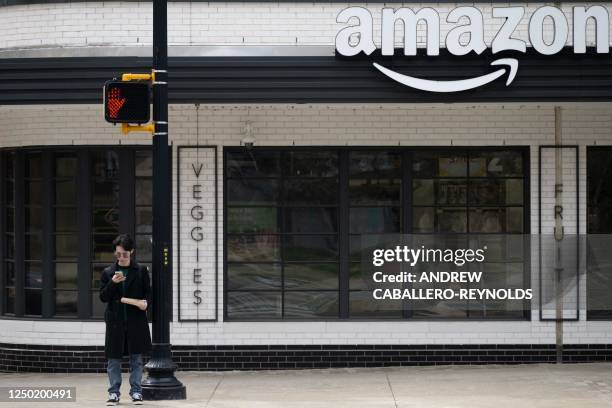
319,124
129,23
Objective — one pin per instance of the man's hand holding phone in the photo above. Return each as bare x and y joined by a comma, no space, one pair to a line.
118,277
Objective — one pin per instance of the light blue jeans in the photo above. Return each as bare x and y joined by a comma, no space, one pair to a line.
114,374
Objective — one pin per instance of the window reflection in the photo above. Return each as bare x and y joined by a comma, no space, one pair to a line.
254,305
252,192
33,201
503,163
253,248
451,220
253,163
57,172
144,206
310,220
284,214
254,276
310,164
451,192
9,236
444,196
282,224
311,304
66,234
252,220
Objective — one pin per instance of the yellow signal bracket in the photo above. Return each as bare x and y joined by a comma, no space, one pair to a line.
127,128
138,77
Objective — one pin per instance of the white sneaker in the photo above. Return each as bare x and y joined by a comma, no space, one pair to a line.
113,399
137,398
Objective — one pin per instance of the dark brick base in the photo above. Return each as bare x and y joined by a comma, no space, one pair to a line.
39,358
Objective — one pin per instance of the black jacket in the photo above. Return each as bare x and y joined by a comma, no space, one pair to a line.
137,286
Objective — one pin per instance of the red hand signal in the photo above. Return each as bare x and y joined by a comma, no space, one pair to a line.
115,102
127,101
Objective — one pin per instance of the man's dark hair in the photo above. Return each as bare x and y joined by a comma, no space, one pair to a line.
125,241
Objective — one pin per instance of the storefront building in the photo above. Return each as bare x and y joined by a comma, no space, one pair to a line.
297,129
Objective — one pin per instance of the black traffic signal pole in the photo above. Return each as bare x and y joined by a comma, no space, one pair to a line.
161,384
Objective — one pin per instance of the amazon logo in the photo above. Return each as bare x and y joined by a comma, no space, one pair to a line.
467,36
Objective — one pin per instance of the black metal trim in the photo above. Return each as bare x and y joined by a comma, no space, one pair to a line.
281,191
19,195
48,238
577,169
224,212
178,231
562,77
407,217
84,206
527,225
343,236
2,233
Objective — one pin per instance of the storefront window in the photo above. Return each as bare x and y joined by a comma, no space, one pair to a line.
105,175
33,233
599,224
90,195
282,235
295,219
475,192
375,193
9,237
66,234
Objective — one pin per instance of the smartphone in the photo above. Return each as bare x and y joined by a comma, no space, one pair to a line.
119,273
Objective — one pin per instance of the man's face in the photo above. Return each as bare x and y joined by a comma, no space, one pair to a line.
123,256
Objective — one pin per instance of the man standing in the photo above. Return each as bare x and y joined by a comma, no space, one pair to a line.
125,287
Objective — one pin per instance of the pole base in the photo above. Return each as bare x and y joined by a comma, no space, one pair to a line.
161,384
178,392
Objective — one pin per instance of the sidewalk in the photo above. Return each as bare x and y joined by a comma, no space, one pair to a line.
539,385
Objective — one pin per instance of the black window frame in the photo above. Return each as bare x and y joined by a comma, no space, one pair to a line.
343,205
84,259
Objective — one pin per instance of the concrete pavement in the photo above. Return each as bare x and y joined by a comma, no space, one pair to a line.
537,385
